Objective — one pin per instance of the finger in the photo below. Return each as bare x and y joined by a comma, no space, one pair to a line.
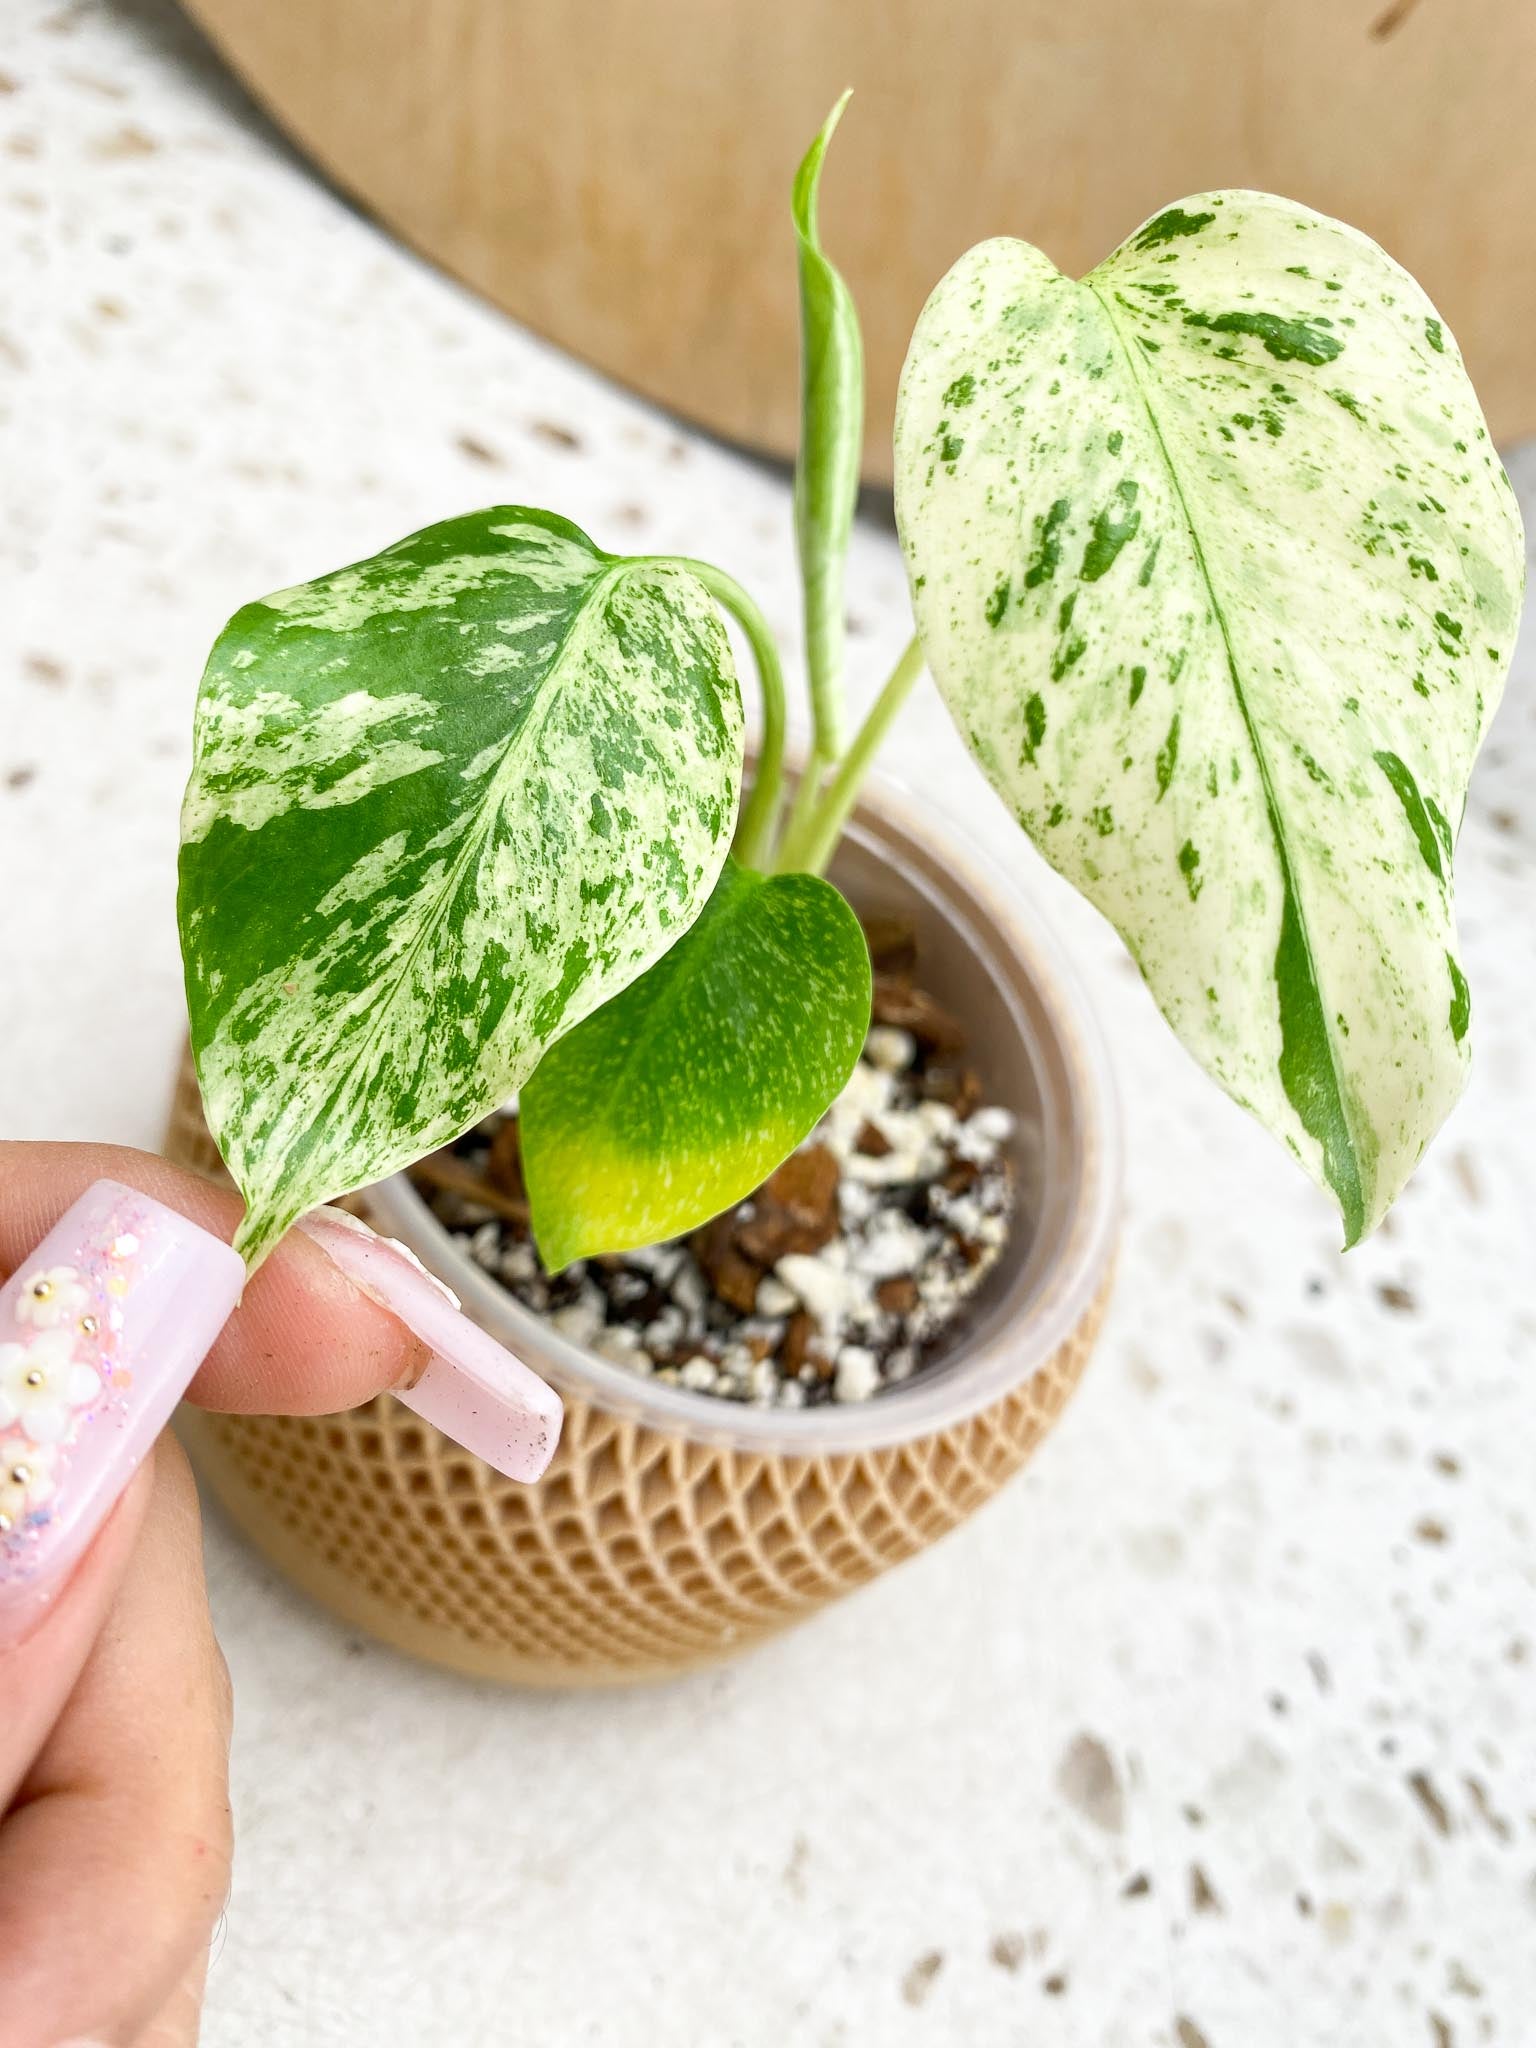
304,1340
38,1672
114,1863
177,2025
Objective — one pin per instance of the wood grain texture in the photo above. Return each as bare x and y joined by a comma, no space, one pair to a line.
632,204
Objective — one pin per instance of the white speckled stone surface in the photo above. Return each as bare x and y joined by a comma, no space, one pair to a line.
1216,1731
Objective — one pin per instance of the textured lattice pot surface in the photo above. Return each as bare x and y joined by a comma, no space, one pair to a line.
638,1552
672,1528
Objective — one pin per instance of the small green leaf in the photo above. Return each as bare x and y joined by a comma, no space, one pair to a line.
678,1097
1227,544
443,804
831,442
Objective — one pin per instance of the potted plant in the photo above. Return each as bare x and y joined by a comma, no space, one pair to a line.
1216,568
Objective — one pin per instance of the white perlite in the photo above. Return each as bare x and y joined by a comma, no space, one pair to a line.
890,1048
920,1223
858,1373
774,1298
823,1283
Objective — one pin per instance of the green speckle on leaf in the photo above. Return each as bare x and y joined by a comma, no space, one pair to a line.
1307,1069
1461,1000
1167,758
1046,558
1441,824
952,449
962,391
1067,656
1288,341
997,603
1102,819
1112,528
1420,823
1138,681
1189,863
1169,226
1034,724
1434,334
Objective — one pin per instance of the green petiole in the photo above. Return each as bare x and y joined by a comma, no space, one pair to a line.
809,846
759,821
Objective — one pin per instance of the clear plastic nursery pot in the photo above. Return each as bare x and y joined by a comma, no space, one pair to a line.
674,1528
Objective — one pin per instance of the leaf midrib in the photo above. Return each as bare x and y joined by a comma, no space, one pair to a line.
1282,849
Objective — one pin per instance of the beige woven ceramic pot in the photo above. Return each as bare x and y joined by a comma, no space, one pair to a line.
673,1528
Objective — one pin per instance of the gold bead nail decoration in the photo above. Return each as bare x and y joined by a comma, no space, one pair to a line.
89,1326
35,1377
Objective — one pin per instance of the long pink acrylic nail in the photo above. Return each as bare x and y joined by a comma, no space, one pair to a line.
472,1389
100,1331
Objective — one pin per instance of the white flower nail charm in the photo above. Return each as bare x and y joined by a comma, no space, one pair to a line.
41,1384
102,1328
50,1298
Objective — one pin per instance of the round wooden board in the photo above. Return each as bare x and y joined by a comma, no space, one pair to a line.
616,175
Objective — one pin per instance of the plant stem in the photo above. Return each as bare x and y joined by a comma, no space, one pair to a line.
809,845
812,776
759,819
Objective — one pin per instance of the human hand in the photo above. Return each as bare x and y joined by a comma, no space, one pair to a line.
114,1697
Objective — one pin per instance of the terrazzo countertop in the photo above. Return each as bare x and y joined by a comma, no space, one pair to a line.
1215,1731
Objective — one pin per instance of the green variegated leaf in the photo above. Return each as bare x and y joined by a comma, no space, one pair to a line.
443,804
1219,573
831,442
678,1097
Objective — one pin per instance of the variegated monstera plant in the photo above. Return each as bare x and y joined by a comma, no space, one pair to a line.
1219,574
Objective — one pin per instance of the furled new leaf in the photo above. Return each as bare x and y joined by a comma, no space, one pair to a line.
443,804
1219,573
678,1097
831,442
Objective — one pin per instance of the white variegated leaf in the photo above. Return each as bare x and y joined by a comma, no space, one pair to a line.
1219,574
443,804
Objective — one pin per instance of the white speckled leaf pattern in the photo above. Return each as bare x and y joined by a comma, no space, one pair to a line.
1219,574
443,804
